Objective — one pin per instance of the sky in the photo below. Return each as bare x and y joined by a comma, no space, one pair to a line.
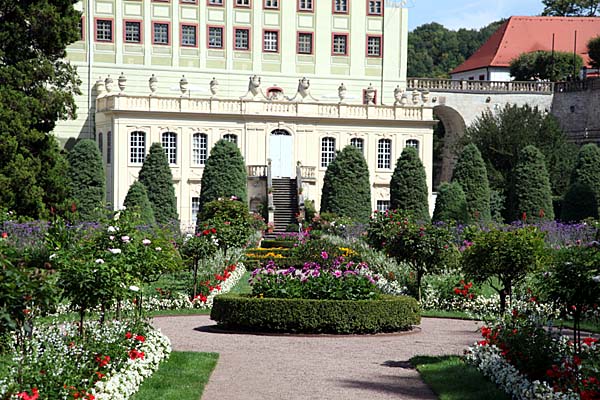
455,14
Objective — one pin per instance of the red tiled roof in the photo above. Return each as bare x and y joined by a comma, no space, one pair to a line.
526,34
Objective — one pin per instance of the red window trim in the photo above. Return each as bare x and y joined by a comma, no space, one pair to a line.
312,47
141,30
181,25
246,28
278,41
270,8
169,33
235,5
222,37
112,24
209,4
306,10
380,46
333,35
340,12
382,8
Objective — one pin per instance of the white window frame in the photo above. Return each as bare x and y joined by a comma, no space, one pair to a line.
215,2
271,4
327,151
384,154
339,45
199,148
169,144
414,143
305,47
215,37
195,207
189,39
242,3
358,143
383,205
375,7
242,43
271,41
160,33
104,30
137,147
133,32
340,6
305,5
231,137
374,46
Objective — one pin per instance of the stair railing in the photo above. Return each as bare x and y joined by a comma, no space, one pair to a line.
270,205
301,209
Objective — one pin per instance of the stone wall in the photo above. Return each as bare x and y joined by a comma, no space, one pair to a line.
577,108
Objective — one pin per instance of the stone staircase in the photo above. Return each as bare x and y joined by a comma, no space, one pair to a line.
285,201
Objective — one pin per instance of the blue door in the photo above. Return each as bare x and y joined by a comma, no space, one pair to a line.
281,153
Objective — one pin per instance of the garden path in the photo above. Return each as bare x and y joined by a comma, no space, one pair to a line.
371,367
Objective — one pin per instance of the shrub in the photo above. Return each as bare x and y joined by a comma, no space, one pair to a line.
138,202
87,183
580,202
471,175
408,187
594,51
389,314
231,219
532,191
543,64
224,174
450,204
156,176
346,188
586,175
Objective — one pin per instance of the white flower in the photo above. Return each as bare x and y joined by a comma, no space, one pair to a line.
125,239
115,251
52,255
99,261
146,242
158,249
596,279
134,288
111,229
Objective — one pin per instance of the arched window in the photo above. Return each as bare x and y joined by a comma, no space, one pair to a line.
358,143
230,137
413,143
100,143
327,151
384,154
199,148
169,143
108,147
137,147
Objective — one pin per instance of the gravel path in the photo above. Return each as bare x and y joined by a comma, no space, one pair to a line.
375,367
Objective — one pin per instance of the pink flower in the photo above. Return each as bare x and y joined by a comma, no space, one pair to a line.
25,396
324,255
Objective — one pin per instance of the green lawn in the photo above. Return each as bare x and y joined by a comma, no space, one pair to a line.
182,376
243,286
451,379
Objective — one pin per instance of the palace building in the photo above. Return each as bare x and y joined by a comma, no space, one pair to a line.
289,81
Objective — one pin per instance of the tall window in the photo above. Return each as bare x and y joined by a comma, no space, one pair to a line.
375,7
199,148
327,151
358,143
271,41
242,39
271,3
413,143
374,46
195,208
215,37
169,143
100,143
305,43
133,32
108,147
161,33
189,36
340,6
340,45
104,30
137,147
384,154
305,5
230,137
383,205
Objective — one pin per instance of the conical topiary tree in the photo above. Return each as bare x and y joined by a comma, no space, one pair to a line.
471,175
224,174
137,201
450,204
157,178
408,187
346,188
87,185
585,178
531,188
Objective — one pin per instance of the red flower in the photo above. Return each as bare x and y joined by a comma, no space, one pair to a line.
213,230
134,354
4,235
524,217
140,338
128,335
589,341
25,396
205,232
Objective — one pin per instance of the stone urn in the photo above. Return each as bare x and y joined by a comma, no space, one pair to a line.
100,88
183,85
108,82
153,83
214,86
122,82
342,92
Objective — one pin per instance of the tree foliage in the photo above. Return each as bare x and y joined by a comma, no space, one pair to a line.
346,188
156,176
450,204
594,51
470,173
434,51
137,201
545,65
579,8
501,135
581,201
36,89
533,195
87,185
408,187
224,174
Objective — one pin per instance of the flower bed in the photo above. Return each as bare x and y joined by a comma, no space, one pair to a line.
387,314
109,362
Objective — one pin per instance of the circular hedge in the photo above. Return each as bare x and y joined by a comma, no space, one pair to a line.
387,314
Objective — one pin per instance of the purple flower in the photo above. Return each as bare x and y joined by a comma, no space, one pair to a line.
337,273
324,255
315,273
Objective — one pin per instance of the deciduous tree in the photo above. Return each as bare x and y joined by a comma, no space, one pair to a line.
545,65
578,8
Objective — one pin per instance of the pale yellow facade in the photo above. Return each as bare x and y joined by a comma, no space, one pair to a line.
315,64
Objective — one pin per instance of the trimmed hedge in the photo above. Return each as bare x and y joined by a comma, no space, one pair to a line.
271,243
388,314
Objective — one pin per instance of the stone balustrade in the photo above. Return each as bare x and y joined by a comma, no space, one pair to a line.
308,174
449,85
256,171
122,102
